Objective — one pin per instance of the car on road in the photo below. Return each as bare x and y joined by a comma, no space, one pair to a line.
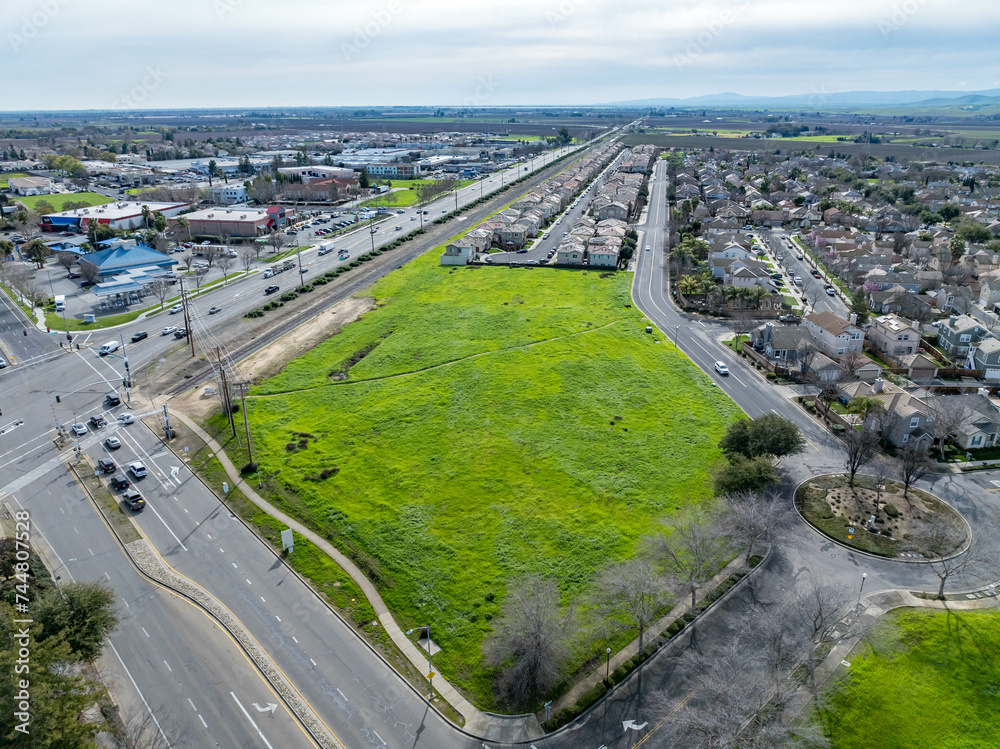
522,251
721,368
137,469
324,250
214,310
400,211
112,443
413,218
180,333
797,280
272,289
119,482
79,428
292,231
831,291
170,329
133,499
66,234
98,421
125,418
648,248
113,399
107,465
176,308
86,284
140,336
187,245
75,275
814,273
399,228
799,257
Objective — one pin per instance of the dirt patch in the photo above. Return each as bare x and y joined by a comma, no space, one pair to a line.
271,359
876,517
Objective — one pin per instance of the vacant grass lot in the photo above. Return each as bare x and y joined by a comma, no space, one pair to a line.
58,199
934,680
485,423
6,176
407,192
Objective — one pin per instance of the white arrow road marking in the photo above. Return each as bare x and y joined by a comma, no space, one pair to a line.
270,708
247,715
627,724
174,470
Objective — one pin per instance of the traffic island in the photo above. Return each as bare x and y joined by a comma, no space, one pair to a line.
878,516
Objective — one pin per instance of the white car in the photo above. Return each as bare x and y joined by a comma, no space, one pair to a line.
137,469
125,418
168,330
176,308
79,429
798,280
721,368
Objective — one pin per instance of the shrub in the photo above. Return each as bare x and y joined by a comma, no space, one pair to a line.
355,263
254,313
838,429
304,289
288,296
771,376
891,511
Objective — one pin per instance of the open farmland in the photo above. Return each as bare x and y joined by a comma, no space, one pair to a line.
932,679
485,423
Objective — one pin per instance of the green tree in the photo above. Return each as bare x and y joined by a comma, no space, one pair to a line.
363,181
213,171
741,474
82,613
859,306
44,207
146,214
159,222
36,250
949,212
957,248
768,435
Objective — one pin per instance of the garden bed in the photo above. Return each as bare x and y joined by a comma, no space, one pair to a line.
843,513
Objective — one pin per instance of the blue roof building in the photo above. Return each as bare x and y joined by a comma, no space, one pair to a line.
117,260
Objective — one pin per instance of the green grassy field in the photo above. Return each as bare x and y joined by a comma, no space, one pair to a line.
485,423
6,176
409,194
59,199
933,681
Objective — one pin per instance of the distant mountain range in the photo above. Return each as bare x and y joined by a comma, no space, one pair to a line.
839,100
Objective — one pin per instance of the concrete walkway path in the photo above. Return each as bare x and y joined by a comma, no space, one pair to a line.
476,721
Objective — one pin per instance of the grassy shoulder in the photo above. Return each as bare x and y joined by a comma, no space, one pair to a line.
932,679
483,424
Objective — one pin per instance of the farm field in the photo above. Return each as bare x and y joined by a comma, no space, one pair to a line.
59,199
933,679
482,424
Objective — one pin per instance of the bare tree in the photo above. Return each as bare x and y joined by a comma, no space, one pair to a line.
138,730
187,260
258,248
160,289
694,551
631,595
743,321
753,518
225,262
913,464
938,539
950,413
199,277
210,254
66,259
851,362
247,257
819,609
90,271
528,642
860,447
277,240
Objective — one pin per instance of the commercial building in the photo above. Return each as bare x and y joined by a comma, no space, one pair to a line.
30,185
123,258
229,194
309,173
123,215
236,222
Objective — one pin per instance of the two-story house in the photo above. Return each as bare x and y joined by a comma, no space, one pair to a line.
958,334
985,356
894,336
834,335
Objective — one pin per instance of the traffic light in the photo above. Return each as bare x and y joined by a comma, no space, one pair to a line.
58,399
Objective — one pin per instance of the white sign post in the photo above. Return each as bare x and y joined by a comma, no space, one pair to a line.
286,540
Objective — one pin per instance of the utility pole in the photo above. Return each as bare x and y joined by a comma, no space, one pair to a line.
127,382
243,386
166,423
298,255
187,317
227,402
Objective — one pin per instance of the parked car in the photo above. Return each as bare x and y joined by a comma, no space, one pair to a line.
272,289
107,465
75,275
140,336
137,469
721,368
79,429
119,482
112,443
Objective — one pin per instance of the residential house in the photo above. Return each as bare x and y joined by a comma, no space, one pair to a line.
834,335
985,356
570,255
781,343
603,256
894,336
958,334
459,252
919,367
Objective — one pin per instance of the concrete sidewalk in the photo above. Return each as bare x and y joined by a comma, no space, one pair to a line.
476,721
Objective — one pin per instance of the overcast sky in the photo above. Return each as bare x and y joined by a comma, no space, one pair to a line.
99,54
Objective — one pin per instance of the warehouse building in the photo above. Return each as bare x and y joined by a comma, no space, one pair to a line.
122,215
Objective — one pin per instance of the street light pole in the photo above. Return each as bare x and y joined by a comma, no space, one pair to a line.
430,672
607,670
864,576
